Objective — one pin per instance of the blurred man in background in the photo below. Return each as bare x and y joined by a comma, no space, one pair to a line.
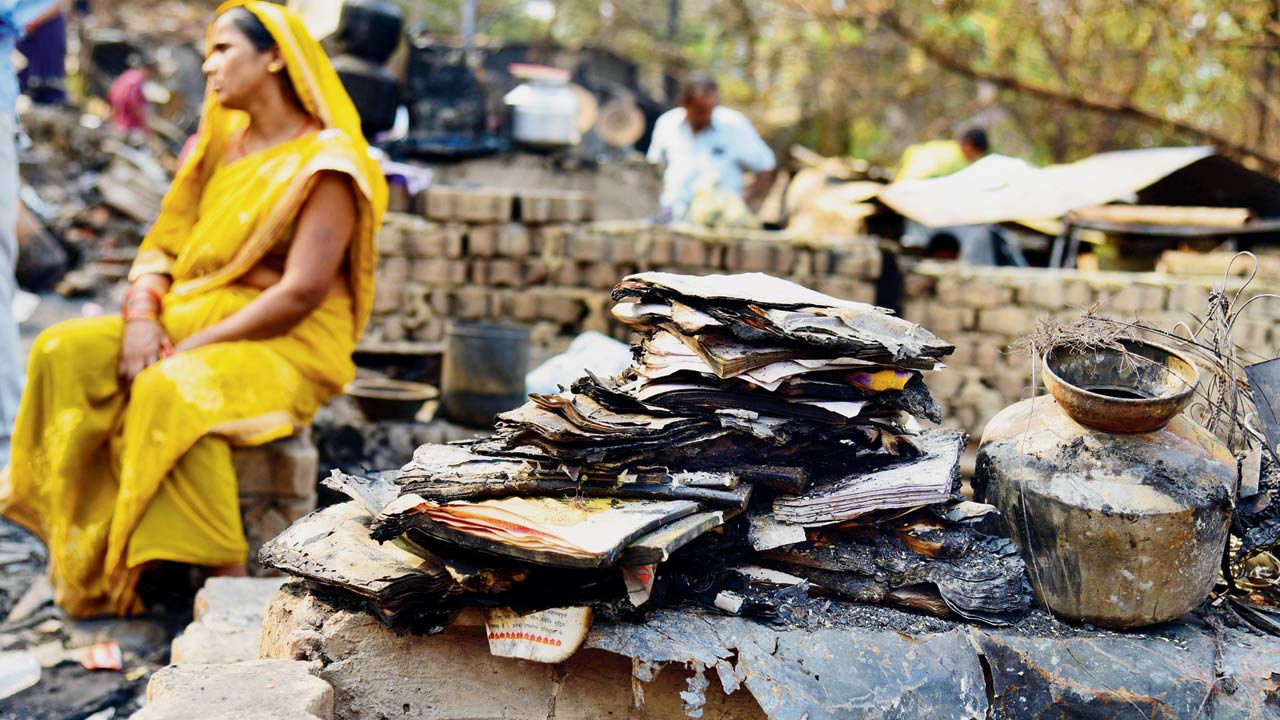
702,143
974,144
15,16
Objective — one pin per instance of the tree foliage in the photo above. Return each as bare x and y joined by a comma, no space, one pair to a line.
1052,79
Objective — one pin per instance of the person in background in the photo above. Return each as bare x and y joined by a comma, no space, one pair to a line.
130,111
703,139
974,145
15,15
44,79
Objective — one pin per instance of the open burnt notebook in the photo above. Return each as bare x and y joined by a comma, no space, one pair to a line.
575,532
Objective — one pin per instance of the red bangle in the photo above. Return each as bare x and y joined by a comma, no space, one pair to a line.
135,289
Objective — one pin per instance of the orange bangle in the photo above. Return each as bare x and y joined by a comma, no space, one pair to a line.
133,291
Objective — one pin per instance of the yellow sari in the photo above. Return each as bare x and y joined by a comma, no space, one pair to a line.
113,477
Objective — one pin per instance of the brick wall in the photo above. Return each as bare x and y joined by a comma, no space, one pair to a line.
554,270
984,310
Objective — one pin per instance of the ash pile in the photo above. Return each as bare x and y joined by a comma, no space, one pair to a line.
763,456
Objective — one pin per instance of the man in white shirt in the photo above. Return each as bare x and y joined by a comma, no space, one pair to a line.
701,139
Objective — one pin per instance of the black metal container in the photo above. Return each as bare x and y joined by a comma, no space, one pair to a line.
369,29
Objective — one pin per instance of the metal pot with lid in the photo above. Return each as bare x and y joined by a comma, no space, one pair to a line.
544,107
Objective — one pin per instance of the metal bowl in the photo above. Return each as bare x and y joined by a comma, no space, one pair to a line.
386,399
1137,391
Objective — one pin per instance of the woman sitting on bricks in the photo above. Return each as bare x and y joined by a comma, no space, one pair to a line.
245,303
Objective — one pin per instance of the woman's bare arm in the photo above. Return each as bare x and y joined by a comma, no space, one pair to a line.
324,229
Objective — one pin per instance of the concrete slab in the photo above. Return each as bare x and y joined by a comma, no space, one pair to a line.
228,625
253,690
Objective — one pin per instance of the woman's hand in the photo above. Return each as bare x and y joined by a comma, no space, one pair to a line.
144,344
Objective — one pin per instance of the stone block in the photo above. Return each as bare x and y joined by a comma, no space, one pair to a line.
602,276
1186,298
283,469
254,690
437,203
535,208
386,297
455,237
471,303
524,307
660,249
390,241
441,302
784,259
482,241
589,247
985,293
377,674
567,275
917,311
439,272
553,241
514,241
1008,321
916,286
1137,299
391,329
947,319
430,331
477,273
750,256
427,240
536,272
621,248
560,307
482,205
228,621
506,273
393,269
690,252
949,288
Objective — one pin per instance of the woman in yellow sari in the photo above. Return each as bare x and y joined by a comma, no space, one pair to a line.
246,300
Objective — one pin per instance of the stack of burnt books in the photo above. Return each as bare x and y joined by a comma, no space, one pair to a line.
782,417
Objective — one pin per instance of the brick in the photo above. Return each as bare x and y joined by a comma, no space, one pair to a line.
482,240
660,248
918,286
1185,298
394,269
285,468
441,302
917,311
690,252
601,276
567,275
505,273
478,273
514,241
784,259
524,307
753,256
434,272
535,209
553,241
470,303
427,240
589,248
454,241
432,331
949,319
949,289
536,272
438,203
863,292
392,329
1137,299
982,293
386,297
263,689
837,287
621,248
560,307
486,205
1009,321
390,242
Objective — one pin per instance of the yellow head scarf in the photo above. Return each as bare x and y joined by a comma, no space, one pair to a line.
344,149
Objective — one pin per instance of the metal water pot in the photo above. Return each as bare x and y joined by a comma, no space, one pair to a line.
544,109
1119,504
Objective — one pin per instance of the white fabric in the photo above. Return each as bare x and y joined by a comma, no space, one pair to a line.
11,379
726,149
